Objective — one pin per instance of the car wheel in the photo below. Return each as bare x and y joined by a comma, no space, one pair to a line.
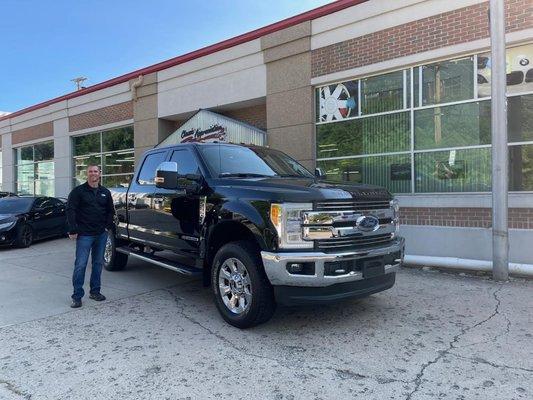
24,236
243,294
113,260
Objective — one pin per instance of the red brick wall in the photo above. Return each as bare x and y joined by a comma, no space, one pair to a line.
255,115
454,27
35,132
102,116
519,218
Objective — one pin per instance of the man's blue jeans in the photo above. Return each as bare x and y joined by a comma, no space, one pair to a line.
85,245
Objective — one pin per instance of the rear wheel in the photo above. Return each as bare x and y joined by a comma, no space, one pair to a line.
113,260
243,294
24,236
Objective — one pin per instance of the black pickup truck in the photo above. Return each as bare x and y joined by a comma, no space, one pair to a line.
257,226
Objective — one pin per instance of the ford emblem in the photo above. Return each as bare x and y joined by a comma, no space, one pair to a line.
367,223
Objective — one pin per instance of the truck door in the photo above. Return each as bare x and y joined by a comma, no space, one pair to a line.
177,213
141,226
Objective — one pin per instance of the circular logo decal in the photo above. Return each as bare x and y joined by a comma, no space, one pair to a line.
367,223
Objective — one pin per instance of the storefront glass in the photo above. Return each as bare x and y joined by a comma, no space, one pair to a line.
432,131
35,169
112,150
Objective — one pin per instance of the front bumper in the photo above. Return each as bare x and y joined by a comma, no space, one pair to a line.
276,265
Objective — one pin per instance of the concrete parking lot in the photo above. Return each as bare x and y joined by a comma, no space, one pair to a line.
159,336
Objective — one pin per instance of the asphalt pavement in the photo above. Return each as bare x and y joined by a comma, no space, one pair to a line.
434,335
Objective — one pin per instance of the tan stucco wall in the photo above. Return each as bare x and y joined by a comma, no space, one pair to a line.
289,102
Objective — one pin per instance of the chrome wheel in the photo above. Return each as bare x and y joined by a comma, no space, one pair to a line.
108,252
235,287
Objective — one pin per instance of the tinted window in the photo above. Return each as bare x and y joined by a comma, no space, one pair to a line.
186,162
43,202
151,162
13,205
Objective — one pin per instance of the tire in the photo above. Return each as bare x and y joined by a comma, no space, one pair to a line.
24,236
113,260
249,298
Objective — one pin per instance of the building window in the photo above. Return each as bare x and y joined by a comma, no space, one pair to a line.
112,150
34,167
427,129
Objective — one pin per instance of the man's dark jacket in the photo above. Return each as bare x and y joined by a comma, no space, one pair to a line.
89,213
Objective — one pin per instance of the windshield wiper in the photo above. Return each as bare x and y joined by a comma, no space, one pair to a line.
243,175
292,176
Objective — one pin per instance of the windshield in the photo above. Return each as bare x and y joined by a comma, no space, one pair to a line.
10,205
236,161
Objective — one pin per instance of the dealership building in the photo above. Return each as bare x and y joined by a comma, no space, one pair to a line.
392,93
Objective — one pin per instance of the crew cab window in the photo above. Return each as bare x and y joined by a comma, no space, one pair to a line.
150,164
186,162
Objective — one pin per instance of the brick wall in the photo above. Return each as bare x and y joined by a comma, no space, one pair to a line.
451,28
35,132
519,218
102,116
255,115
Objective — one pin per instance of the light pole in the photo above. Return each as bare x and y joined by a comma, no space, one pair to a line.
500,157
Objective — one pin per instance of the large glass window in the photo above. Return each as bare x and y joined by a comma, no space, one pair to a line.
427,129
34,167
112,150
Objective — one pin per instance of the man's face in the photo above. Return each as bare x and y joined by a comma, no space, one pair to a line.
93,174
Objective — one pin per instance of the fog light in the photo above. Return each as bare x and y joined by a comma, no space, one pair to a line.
2,238
295,268
301,268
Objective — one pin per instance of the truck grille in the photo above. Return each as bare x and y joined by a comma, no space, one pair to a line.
340,205
353,242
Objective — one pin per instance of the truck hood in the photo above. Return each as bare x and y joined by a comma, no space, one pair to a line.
299,189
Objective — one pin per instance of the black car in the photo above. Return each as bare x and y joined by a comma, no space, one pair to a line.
7,194
26,219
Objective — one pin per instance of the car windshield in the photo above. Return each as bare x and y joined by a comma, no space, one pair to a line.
15,205
226,161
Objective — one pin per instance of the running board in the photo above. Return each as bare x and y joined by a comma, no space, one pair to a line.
160,261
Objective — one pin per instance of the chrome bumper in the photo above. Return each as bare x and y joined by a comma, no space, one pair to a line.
276,265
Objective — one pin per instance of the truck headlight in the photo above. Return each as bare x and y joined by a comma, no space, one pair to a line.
396,215
287,219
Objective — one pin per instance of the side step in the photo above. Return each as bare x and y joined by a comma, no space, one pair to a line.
161,262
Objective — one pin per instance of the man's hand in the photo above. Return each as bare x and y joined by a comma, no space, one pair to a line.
72,236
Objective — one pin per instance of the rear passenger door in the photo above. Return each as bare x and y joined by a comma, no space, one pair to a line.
177,213
141,225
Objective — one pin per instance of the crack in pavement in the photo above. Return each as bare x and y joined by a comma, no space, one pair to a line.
442,353
342,373
486,362
15,390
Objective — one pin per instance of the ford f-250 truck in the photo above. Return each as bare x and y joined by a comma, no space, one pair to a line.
257,226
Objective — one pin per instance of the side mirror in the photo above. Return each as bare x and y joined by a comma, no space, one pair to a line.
167,175
319,173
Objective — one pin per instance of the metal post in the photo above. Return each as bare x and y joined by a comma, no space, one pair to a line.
500,166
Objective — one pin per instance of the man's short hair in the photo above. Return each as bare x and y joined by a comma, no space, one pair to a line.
94,165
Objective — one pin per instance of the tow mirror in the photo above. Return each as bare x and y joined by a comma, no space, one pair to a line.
167,175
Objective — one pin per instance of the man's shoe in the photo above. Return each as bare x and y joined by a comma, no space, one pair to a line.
97,296
75,304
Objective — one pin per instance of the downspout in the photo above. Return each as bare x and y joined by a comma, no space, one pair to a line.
134,85
516,269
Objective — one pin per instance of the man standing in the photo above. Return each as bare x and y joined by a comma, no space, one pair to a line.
90,211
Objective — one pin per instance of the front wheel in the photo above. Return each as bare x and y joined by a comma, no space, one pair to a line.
243,294
113,260
24,236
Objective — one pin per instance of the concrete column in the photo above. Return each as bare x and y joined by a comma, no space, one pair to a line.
8,168
63,164
289,103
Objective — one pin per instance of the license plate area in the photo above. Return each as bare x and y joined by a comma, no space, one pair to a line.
373,267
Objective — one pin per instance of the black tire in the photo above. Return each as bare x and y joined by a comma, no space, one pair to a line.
262,305
114,261
24,236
